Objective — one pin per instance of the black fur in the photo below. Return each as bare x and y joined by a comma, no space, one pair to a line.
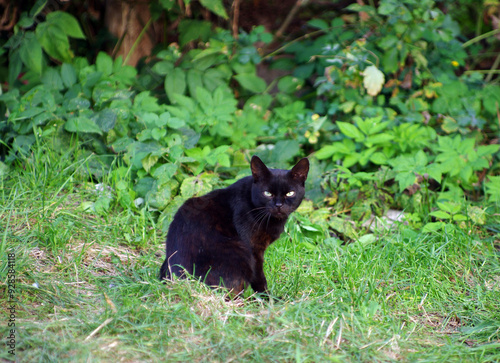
222,236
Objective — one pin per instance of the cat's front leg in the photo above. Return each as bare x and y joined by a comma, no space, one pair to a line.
259,282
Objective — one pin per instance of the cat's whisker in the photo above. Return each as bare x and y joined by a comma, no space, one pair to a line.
261,215
253,210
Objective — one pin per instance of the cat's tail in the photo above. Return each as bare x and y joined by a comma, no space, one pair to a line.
165,271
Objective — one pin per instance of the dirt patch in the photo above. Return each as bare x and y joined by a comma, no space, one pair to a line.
442,324
102,260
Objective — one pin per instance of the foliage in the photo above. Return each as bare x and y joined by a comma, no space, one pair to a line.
401,126
97,156
98,272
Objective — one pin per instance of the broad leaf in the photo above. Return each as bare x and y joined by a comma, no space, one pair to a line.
106,119
67,23
82,124
175,84
373,80
350,130
251,82
149,161
31,52
104,63
216,7
68,75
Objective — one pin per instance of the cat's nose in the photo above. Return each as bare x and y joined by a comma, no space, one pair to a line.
279,205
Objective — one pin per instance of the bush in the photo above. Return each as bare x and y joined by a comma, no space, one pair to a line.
378,98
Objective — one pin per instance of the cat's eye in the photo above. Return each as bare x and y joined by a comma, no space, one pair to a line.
290,193
268,194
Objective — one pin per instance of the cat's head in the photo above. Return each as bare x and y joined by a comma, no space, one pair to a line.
278,192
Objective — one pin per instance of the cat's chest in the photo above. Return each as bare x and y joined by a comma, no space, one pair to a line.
261,239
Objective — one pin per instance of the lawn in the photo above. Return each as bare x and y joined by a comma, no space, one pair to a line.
87,289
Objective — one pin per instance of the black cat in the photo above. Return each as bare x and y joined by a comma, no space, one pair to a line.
221,237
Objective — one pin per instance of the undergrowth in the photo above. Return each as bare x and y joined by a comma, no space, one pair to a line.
87,288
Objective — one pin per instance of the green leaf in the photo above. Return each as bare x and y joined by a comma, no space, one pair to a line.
67,23
196,185
194,81
251,82
378,158
82,124
487,150
4,170
350,160
204,98
15,66
493,188
285,150
440,214
216,7
450,207
28,113
203,63
420,158
149,161
159,199
165,172
223,160
157,133
405,180
175,123
214,78
367,239
144,185
449,125
350,130
31,52
167,4
101,205
54,41
68,75
76,104
52,79
460,217
435,172
187,103
163,68
37,8
325,152
378,139
318,23
390,60
175,84
433,227
106,119
190,30
104,63
289,84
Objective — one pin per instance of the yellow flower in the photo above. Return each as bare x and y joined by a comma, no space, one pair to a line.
454,63
315,117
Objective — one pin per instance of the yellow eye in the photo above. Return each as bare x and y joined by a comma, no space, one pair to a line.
290,194
267,194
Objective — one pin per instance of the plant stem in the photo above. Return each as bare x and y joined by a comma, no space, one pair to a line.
305,36
493,69
481,37
236,16
136,43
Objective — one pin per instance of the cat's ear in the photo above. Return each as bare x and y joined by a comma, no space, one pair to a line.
300,170
259,169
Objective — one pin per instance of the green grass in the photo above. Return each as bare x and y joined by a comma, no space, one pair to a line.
88,290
